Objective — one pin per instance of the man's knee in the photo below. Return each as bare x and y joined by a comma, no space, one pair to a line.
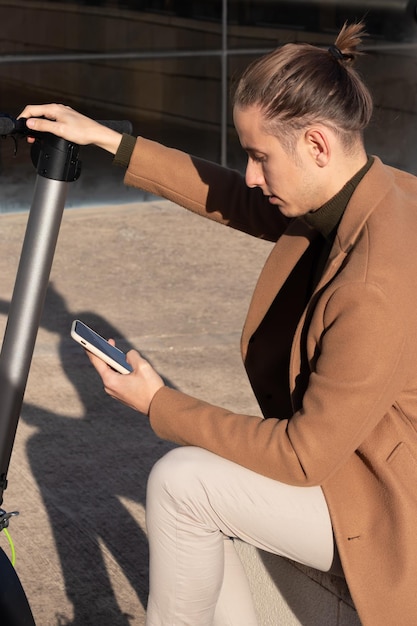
175,471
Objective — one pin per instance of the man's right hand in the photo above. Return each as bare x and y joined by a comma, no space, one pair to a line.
65,122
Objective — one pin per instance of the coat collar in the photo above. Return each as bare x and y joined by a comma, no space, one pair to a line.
365,198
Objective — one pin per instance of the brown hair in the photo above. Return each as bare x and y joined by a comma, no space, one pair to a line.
299,84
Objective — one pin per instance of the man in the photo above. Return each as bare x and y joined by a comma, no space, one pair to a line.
329,346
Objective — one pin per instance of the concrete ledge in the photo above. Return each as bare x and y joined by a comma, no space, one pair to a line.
288,593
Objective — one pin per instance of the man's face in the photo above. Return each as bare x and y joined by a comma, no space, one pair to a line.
291,181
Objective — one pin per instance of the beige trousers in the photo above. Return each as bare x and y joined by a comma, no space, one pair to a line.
196,504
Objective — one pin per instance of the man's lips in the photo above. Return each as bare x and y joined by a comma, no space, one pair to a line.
274,200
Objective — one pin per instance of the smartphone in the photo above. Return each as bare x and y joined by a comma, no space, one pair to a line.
95,343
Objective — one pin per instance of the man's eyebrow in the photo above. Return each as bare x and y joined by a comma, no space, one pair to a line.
251,150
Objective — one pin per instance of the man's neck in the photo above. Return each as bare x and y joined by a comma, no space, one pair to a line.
327,217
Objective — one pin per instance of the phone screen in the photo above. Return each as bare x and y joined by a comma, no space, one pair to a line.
90,337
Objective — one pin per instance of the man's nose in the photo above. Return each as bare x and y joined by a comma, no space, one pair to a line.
254,176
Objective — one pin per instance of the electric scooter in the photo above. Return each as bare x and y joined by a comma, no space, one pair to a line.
57,164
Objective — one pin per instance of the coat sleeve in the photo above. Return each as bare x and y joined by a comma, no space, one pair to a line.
353,384
205,188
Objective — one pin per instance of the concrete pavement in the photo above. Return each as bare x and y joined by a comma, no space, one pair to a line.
176,287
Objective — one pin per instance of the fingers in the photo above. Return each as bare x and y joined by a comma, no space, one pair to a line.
51,111
51,114
99,365
64,122
39,110
135,389
58,119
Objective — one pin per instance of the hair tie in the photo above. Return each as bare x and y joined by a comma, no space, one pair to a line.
337,53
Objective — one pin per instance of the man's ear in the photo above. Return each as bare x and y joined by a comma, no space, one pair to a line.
318,145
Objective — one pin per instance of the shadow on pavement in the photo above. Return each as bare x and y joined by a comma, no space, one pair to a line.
87,468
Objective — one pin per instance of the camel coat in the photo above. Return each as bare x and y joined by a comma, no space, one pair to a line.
342,407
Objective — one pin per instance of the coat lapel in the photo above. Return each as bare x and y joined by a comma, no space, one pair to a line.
284,256
336,258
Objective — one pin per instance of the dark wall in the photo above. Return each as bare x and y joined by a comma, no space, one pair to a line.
159,63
